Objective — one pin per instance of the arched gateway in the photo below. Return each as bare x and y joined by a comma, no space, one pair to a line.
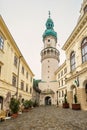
1,102
47,100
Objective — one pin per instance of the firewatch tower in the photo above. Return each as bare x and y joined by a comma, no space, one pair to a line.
49,54
49,64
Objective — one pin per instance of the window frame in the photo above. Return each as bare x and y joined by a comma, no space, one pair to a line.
84,50
14,80
22,70
15,60
22,85
1,42
72,61
0,69
26,87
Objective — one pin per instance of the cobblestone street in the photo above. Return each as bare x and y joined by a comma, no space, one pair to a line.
47,118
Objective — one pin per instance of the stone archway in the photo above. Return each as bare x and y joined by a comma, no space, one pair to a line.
1,102
47,100
85,90
73,92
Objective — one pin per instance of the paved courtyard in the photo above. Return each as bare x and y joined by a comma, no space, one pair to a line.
47,118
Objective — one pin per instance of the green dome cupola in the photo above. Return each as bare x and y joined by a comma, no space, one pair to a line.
49,28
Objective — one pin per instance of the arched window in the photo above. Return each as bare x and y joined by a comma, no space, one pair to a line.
72,61
84,50
1,42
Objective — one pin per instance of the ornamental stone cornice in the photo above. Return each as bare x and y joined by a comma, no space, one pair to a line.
76,30
77,73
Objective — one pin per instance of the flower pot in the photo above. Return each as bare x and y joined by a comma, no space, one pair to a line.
65,105
25,110
15,115
76,107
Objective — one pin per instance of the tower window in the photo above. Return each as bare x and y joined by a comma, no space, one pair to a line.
48,40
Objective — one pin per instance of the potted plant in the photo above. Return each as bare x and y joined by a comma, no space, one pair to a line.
26,105
30,103
76,105
65,104
14,106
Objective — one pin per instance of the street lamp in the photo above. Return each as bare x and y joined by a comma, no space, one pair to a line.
57,97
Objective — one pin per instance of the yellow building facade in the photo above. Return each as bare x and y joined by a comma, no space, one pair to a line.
76,61
16,77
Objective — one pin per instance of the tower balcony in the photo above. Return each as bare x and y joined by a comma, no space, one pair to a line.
50,52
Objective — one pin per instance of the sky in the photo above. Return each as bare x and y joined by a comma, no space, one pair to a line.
26,20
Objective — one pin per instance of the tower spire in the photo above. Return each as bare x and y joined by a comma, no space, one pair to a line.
49,13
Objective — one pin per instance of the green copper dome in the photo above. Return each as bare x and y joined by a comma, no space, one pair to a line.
49,29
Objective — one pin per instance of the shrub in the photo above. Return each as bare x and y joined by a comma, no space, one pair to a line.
14,105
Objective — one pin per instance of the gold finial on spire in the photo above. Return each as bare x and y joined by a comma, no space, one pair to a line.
49,13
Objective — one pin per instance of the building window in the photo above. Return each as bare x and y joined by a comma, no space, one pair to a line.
15,60
72,61
65,70
30,90
84,50
26,87
62,73
0,70
62,94
27,75
58,76
22,85
59,94
14,80
85,9
62,82
1,43
59,83
48,51
22,70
